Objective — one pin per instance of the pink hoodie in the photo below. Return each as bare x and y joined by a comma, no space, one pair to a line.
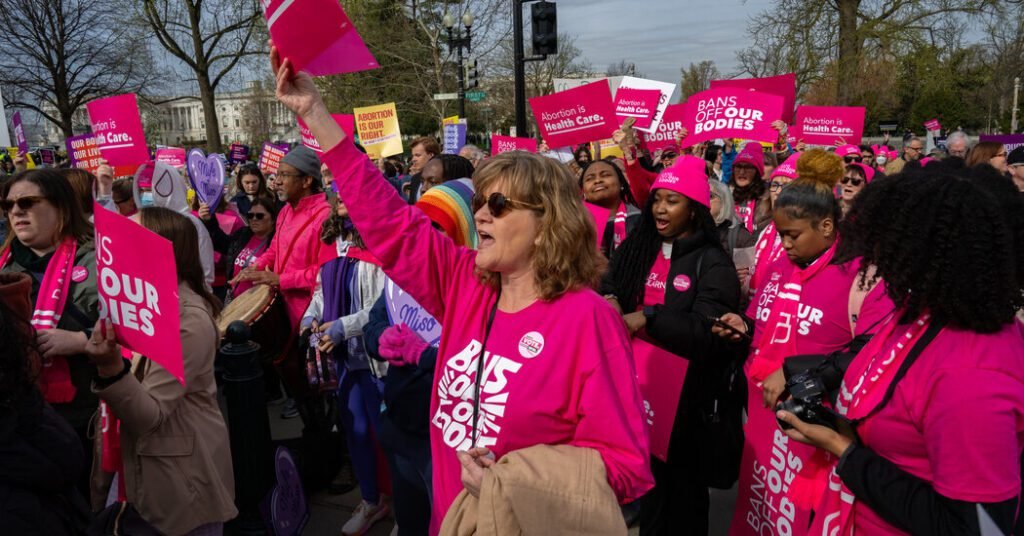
558,372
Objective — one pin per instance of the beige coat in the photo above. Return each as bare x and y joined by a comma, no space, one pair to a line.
540,490
177,458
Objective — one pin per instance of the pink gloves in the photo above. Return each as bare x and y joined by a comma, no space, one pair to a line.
401,346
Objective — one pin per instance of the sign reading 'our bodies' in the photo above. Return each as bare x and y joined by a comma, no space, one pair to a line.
138,289
578,115
731,113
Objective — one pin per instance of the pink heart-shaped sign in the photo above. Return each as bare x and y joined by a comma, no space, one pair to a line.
206,172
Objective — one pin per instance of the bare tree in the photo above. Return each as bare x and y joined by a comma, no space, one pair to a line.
697,77
624,68
258,112
60,54
210,37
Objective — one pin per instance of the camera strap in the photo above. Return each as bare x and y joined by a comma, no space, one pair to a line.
480,369
934,327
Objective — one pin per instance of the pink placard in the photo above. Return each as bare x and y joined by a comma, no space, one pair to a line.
172,156
783,85
270,158
317,36
347,122
828,125
138,288
502,144
661,375
600,215
117,128
578,115
640,104
731,113
665,135
933,125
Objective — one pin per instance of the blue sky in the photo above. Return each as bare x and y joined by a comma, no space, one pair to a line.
660,36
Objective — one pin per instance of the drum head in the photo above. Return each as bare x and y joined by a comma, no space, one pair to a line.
247,307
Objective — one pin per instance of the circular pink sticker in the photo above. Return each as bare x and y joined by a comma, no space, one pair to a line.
681,283
79,273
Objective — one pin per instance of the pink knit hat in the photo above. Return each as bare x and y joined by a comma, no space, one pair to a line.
688,176
868,171
847,150
752,154
787,168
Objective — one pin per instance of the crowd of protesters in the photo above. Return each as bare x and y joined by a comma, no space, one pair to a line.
849,318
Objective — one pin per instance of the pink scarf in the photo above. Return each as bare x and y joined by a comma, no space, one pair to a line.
778,341
873,370
768,249
746,214
619,227
55,376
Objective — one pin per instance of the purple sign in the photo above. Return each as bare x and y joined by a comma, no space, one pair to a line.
402,309
454,138
1010,141
238,153
19,133
285,508
48,156
207,176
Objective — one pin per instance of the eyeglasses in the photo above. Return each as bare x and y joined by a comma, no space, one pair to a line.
851,180
24,203
849,159
255,215
497,203
917,149
122,201
776,186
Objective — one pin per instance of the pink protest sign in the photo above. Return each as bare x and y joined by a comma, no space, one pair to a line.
83,153
19,133
317,36
172,156
118,130
933,125
347,122
640,104
731,113
270,158
600,215
502,144
661,375
665,135
783,85
828,125
578,115
138,289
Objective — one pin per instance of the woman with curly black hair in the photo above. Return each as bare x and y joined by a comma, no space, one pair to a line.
443,168
605,185
669,278
937,398
805,304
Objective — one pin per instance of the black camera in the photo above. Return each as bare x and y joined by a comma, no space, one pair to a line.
806,393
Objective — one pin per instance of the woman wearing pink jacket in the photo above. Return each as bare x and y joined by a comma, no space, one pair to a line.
557,366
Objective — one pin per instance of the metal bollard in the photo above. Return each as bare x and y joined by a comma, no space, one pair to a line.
248,425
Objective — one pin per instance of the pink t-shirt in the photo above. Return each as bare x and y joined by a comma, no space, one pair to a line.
245,258
557,372
956,420
654,288
823,315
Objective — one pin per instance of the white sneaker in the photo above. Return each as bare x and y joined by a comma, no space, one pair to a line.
364,517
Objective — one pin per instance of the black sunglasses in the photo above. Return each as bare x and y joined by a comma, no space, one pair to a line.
24,203
849,159
497,203
255,215
854,181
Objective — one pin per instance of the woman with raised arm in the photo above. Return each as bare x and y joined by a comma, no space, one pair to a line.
557,369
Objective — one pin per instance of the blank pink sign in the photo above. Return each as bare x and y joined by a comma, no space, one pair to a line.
317,36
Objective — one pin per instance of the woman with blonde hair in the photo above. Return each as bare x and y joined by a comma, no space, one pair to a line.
530,354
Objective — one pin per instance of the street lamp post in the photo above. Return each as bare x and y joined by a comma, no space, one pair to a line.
1013,116
458,41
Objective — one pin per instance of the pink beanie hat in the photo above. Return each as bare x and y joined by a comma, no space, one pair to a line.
787,168
752,154
847,150
688,176
869,172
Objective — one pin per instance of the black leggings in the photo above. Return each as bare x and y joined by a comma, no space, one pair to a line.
678,504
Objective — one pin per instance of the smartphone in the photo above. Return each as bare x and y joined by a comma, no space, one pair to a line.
718,322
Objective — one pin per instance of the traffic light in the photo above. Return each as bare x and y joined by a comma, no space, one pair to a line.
471,75
544,28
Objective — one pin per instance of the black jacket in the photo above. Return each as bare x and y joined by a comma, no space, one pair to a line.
41,458
406,389
683,327
608,236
